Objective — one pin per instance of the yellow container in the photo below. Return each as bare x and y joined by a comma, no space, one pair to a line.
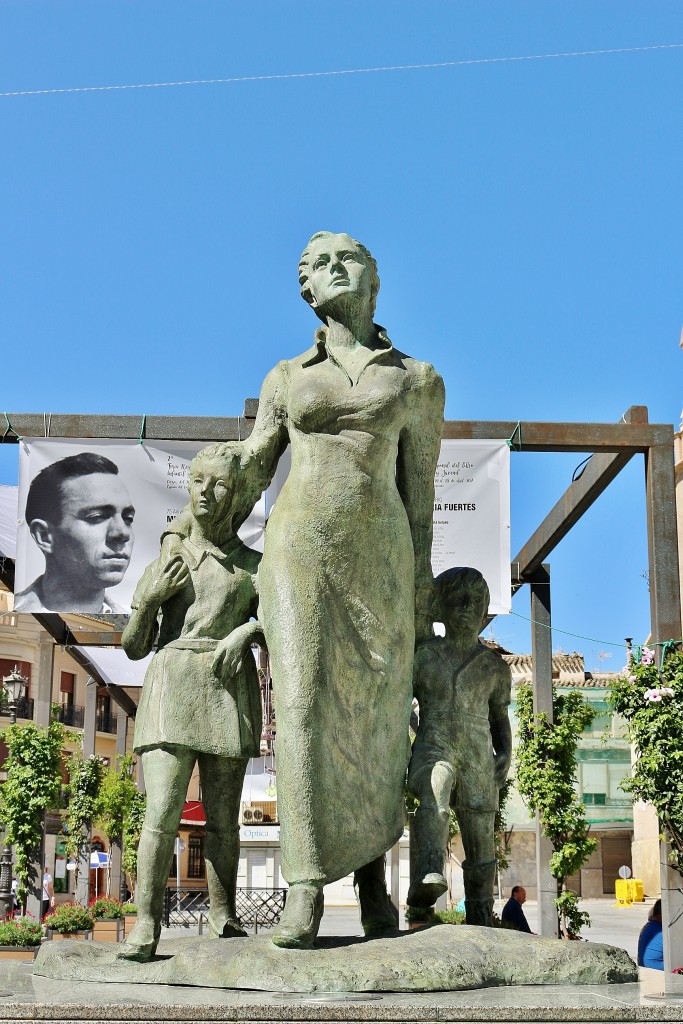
622,891
637,894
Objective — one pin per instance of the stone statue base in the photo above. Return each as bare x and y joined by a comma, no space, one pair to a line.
440,958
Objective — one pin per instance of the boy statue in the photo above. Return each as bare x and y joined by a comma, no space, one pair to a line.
200,700
461,755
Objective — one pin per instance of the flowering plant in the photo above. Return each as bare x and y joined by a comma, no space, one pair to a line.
20,931
106,908
651,702
69,917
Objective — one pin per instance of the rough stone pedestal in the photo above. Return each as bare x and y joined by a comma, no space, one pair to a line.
442,958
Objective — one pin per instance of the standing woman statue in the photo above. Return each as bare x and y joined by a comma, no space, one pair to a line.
345,583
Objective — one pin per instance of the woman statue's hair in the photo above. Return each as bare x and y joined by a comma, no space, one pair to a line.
304,266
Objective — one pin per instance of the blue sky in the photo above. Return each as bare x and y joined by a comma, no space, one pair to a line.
525,216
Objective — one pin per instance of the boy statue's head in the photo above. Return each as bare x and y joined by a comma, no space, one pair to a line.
223,489
463,598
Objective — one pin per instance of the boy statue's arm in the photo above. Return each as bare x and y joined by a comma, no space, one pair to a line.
160,581
499,722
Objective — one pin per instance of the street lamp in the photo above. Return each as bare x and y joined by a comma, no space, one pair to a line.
14,685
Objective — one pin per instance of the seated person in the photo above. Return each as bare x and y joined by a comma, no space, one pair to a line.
513,916
651,940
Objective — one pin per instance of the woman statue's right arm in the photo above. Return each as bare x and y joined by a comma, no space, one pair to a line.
270,436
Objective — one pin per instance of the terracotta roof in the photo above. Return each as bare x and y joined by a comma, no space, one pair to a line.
568,670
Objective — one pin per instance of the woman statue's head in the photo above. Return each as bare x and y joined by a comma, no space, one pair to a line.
335,267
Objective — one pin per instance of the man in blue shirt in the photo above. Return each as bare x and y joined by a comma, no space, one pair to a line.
651,941
513,916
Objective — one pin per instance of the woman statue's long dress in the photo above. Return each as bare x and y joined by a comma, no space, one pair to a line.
345,582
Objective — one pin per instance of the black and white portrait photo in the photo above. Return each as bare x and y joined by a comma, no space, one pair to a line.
80,517
90,516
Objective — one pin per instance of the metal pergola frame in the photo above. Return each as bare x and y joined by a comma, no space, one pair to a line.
611,445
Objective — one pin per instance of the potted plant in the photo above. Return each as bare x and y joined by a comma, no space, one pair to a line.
69,921
108,914
19,937
130,918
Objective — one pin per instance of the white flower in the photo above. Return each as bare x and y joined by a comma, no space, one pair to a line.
652,695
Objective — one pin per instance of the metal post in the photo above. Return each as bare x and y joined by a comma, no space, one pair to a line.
6,895
542,683
665,612
395,874
42,708
118,881
89,723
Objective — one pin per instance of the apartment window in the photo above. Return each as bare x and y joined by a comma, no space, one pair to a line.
195,860
67,685
595,799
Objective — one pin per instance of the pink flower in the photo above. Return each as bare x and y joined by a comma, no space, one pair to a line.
652,696
632,679
647,656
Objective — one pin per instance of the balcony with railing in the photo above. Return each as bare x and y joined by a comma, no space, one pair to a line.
69,714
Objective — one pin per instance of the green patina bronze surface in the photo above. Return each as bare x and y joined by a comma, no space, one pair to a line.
200,701
462,750
346,574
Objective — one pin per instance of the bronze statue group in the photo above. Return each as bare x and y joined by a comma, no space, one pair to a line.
344,600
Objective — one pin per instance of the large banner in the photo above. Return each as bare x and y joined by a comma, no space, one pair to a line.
472,514
90,516
91,513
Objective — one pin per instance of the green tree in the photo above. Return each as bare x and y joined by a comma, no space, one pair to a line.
34,778
116,795
546,780
132,830
651,702
85,779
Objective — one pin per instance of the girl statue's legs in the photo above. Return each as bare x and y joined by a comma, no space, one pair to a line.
221,779
167,774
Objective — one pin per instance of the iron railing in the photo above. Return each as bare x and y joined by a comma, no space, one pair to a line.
69,714
256,908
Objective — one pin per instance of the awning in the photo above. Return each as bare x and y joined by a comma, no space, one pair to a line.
115,667
193,813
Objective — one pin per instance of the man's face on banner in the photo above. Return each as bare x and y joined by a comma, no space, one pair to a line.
94,535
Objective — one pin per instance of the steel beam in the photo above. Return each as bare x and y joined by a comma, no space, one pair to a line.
665,611
60,632
563,437
529,436
542,685
576,500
